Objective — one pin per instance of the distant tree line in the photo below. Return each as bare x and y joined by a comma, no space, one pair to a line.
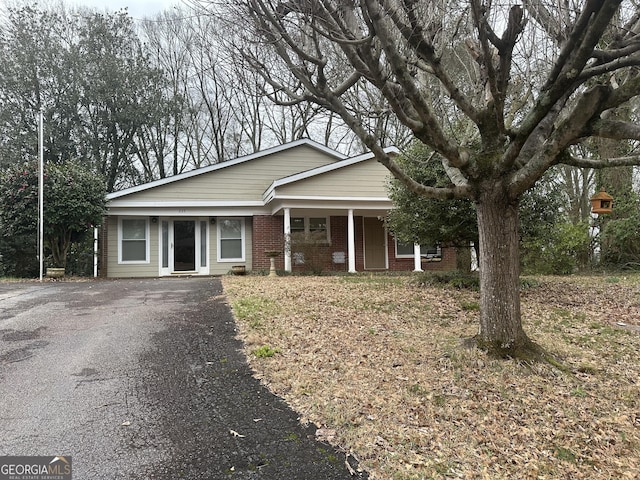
137,99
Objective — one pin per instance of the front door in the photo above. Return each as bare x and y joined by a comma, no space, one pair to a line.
184,246
375,244
184,241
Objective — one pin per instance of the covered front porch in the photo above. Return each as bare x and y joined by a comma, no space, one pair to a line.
350,240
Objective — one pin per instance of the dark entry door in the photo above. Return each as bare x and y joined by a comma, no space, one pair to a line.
184,241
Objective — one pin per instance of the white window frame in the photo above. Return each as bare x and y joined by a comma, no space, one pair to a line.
423,253
307,225
243,237
147,231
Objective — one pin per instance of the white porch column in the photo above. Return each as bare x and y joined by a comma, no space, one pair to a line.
287,240
351,242
95,251
417,264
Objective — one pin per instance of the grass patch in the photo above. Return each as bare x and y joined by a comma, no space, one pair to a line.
565,454
254,309
417,390
382,361
265,351
463,280
470,306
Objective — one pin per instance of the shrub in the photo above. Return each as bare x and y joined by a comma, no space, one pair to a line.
565,249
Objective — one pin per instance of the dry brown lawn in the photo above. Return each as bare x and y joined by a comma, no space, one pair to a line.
378,363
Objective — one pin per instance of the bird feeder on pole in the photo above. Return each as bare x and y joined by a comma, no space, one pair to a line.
601,203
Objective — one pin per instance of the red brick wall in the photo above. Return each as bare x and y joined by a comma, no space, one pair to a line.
268,235
338,231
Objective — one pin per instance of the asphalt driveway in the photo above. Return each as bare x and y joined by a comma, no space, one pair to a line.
143,379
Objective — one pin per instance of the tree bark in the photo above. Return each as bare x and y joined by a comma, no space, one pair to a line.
501,329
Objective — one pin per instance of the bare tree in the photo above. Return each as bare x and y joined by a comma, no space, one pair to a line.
160,150
502,92
578,186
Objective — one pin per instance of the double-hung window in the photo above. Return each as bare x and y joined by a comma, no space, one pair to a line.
231,240
134,240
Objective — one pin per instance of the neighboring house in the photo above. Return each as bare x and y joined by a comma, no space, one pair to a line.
208,220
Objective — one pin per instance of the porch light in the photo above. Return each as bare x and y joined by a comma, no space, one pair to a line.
601,203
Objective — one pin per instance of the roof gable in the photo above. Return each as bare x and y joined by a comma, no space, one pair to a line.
331,155
315,177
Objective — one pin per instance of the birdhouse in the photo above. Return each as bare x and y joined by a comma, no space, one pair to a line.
601,202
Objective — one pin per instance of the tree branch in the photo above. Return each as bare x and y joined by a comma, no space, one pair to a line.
567,159
564,77
549,22
415,36
625,92
454,174
574,40
570,130
431,127
614,129
610,66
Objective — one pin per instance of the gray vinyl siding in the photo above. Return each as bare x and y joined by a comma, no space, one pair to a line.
117,270
364,179
244,181
151,269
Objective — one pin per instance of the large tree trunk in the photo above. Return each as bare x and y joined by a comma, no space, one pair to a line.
500,321
59,246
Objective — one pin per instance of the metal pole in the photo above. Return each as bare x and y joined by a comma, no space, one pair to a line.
41,193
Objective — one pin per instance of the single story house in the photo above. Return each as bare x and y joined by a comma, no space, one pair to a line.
236,213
